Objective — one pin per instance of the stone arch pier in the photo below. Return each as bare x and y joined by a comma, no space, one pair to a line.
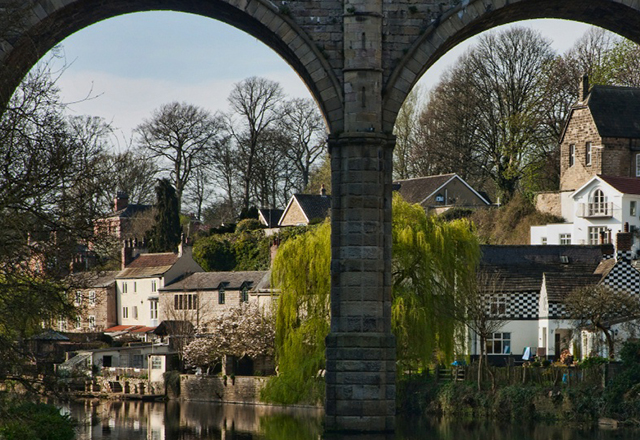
359,59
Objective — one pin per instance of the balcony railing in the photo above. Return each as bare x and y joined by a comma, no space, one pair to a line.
595,210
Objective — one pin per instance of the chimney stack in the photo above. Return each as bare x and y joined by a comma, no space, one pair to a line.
624,242
583,91
121,202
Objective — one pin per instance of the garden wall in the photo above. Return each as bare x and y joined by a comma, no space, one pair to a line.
242,389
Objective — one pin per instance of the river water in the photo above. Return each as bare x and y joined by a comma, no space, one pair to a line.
136,420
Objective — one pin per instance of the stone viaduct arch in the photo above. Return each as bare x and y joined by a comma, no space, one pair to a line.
359,59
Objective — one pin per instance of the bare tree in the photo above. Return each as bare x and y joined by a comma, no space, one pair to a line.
598,307
305,136
254,104
501,83
407,129
181,136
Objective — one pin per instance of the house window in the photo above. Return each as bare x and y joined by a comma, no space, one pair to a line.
78,322
124,287
598,204
499,343
62,323
543,240
92,322
498,305
156,363
125,312
187,301
244,297
153,305
135,312
92,297
637,165
632,208
154,286
565,238
78,297
221,295
135,287
587,153
594,234
572,155
136,361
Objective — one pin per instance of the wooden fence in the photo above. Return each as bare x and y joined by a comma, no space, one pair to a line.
553,375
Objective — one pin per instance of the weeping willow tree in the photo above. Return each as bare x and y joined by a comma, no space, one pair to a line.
433,266
301,271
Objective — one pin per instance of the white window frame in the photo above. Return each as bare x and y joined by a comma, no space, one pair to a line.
498,305
587,153
153,309
633,208
92,322
221,295
135,312
594,234
501,339
565,238
78,299
543,240
124,287
154,285
125,312
638,165
92,297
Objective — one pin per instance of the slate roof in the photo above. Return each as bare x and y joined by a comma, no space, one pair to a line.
418,189
212,280
520,268
149,265
615,110
270,217
626,185
94,279
314,205
130,211
559,285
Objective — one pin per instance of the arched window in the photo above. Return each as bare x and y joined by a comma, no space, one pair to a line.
598,203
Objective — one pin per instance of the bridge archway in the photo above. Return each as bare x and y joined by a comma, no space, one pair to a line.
47,25
469,18
360,59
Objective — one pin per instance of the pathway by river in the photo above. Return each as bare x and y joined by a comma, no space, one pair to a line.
136,420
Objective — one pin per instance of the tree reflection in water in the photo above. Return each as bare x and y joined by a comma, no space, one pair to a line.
174,420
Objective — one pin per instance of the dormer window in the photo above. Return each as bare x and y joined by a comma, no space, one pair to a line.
439,198
221,294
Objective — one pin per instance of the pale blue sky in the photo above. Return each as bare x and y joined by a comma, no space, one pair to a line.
134,63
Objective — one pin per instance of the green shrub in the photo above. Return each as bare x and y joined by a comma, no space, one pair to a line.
34,421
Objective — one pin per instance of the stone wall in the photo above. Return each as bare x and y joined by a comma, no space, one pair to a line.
242,389
580,130
549,203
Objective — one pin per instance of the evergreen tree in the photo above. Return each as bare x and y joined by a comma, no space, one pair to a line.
165,234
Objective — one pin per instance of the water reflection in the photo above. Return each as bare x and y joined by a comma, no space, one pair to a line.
135,420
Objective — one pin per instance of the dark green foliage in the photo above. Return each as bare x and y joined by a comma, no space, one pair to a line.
456,214
164,236
251,213
622,395
287,427
33,421
248,224
214,253
513,403
239,251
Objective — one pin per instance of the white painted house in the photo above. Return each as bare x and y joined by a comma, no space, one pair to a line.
533,282
138,283
595,213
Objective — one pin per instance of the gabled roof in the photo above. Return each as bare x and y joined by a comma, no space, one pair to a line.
615,110
559,285
149,265
270,217
419,189
313,206
213,280
520,268
624,185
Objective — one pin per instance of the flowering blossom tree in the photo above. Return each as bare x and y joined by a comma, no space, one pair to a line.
242,331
